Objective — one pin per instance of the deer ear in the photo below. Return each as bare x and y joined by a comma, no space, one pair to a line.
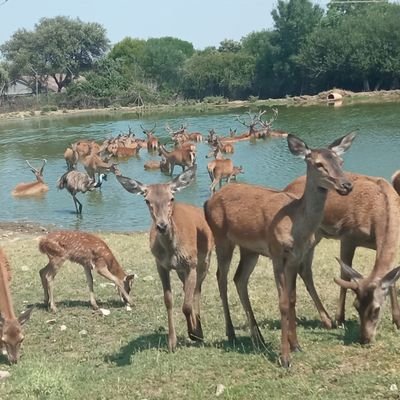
184,179
390,278
131,185
297,146
25,316
341,145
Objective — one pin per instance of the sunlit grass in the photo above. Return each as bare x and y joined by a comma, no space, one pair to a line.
124,355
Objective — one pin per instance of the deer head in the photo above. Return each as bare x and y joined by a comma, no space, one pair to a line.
12,335
160,197
370,297
325,165
37,172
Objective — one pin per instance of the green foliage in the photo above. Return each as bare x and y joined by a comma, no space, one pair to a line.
60,47
340,54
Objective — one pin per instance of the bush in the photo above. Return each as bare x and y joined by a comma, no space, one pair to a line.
215,100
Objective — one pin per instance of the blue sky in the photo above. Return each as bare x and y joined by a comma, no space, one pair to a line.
201,22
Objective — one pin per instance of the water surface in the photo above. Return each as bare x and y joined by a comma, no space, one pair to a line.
266,162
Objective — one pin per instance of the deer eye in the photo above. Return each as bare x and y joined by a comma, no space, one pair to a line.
172,199
147,201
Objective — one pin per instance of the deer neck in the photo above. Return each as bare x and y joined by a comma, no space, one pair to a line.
6,306
312,203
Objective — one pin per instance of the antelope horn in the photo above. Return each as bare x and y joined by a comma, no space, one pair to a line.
30,166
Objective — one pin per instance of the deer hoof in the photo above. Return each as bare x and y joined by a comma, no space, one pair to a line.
284,362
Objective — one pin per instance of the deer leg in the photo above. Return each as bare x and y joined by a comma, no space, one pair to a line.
213,185
281,284
224,253
202,269
248,261
347,251
47,275
89,280
292,335
102,269
187,308
172,165
395,305
306,275
168,300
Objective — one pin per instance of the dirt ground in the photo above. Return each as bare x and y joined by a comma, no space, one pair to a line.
12,231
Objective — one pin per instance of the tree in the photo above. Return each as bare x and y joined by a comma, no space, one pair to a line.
294,21
163,60
59,47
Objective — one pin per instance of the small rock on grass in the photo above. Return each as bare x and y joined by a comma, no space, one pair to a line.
220,389
4,375
63,328
104,311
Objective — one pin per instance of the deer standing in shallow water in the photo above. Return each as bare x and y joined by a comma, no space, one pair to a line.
278,225
87,250
11,332
180,240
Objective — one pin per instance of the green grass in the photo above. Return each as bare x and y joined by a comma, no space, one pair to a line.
124,355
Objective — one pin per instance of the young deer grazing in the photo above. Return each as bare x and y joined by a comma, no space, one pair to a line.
180,239
278,225
11,332
36,188
87,250
368,218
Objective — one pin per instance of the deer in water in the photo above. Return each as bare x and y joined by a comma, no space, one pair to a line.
11,331
183,157
396,181
152,141
87,250
276,224
368,218
180,239
220,168
39,187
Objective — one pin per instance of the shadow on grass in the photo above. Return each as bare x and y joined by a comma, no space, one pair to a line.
244,345
80,304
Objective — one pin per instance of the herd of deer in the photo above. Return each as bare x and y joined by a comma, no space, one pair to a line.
284,225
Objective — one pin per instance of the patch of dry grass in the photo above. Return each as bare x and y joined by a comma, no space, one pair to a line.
124,355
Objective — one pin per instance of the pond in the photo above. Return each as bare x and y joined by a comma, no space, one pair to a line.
266,162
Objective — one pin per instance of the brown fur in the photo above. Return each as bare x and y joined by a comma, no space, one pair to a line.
37,188
182,157
275,224
87,250
180,239
368,218
11,332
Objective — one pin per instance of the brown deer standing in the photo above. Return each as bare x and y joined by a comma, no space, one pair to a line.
182,157
152,141
11,331
278,225
219,169
396,181
368,218
37,188
180,239
87,250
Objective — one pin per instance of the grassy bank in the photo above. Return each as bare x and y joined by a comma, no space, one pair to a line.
124,355
207,107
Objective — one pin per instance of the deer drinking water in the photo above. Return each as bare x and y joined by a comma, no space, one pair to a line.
278,225
180,239
11,331
87,250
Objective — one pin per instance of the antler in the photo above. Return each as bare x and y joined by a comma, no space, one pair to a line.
267,124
